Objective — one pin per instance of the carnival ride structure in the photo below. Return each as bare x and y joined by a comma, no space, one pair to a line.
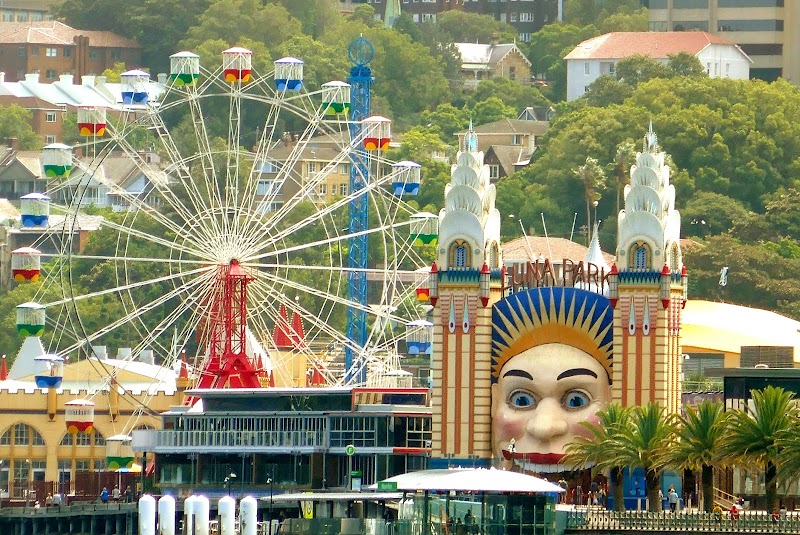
231,233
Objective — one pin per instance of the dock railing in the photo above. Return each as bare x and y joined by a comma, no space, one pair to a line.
594,519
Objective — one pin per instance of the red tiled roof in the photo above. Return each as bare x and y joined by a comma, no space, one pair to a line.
556,249
657,45
51,32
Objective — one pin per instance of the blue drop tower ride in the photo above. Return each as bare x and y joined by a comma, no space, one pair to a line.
360,53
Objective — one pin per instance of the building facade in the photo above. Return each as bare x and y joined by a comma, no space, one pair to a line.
52,48
766,30
26,10
599,55
527,16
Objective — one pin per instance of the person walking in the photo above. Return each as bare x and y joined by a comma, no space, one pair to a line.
128,494
672,497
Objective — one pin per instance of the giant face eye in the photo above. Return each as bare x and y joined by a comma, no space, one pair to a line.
576,399
521,399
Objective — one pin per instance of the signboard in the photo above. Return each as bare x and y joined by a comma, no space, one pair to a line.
387,486
350,450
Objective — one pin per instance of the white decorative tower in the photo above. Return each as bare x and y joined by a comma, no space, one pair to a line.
647,286
466,280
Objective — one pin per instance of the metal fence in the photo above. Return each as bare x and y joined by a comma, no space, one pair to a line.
689,520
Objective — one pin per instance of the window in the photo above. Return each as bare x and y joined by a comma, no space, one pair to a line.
22,17
751,25
344,169
21,51
494,171
322,189
526,17
34,51
639,256
586,67
525,37
50,117
658,4
514,17
687,25
689,4
264,187
516,139
658,26
762,49
116,54
415,17
93,54
429,17
50,138
750,3
82,465
67,52
343,189
459,254
67,439
51,52
50,74
8,17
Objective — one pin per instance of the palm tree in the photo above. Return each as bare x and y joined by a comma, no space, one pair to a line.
644,443
753,435
700,434
623,159
593,177
592,450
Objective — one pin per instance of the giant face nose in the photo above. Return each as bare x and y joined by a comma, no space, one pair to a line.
548,420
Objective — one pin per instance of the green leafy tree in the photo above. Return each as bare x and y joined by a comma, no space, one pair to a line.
711,213
685,64
465,27
365,14
447,118
490,110
233,20
625,21
753,435
700,432
15,122
639,68
593,450
317,16
113,75
512,93
418,144
546,53
607,90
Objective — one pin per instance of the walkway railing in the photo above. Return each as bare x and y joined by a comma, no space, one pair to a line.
747,521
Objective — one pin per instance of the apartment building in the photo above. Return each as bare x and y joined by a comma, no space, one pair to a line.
768,31
52,48
527,16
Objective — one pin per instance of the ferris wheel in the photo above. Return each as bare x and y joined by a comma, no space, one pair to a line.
230,246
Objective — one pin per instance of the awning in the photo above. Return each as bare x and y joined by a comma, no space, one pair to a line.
472,480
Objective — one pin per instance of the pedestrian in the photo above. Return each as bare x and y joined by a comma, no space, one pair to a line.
104,495
48,501
672,497
734,514
128,494
115,494
57,500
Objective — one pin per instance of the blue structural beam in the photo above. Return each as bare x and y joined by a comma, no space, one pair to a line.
360,80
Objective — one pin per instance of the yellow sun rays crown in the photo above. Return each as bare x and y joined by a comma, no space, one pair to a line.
553,315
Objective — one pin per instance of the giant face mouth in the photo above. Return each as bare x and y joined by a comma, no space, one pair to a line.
535,458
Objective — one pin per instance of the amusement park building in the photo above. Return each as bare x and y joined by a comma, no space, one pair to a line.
38,454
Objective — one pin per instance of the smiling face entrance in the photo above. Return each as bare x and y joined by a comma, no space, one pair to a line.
541,396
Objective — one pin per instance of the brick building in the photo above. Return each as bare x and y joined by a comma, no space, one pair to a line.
52,48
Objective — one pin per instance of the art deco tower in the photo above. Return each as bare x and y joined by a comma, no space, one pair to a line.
647,286
465,280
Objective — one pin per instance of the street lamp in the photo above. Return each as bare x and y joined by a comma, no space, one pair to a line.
270,482
229,481
512,447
